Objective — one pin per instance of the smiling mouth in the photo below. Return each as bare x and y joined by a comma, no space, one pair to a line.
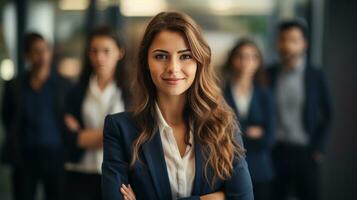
172,81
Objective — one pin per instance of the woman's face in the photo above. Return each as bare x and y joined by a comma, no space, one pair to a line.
104,55
171,65
246,60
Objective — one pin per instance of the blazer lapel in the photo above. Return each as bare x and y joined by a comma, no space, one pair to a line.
154,155
308,90
230,99
253,105
200,184
199,173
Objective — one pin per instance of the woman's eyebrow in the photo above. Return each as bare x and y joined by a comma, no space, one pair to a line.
160,50
184,50
164,51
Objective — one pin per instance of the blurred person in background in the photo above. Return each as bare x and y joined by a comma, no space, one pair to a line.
32,112
249,96
99,92
303,115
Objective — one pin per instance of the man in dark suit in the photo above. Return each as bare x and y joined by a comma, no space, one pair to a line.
303,115
32,116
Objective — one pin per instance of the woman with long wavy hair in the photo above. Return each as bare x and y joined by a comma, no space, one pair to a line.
182,140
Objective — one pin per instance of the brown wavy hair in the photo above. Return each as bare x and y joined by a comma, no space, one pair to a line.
213,122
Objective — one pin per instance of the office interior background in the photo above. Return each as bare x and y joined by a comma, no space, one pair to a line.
332,41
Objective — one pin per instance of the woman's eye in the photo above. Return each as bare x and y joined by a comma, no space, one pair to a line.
161,57
185,57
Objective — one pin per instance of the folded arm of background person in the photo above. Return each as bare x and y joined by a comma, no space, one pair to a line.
266,138
77,138
86,138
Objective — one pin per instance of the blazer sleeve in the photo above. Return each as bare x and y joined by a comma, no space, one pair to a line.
269,118
115,166
72,106
267,140
239,186
325,114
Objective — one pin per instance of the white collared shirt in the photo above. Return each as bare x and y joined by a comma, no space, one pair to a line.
96,105
181,170
242,101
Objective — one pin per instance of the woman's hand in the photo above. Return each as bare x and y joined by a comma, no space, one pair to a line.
90,138
71,123
127,192
254,132
214,196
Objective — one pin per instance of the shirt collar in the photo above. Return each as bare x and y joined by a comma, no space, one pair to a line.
161,121
163,125
94,89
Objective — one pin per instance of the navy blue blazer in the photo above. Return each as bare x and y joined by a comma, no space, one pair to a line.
260,113
317,111
149,178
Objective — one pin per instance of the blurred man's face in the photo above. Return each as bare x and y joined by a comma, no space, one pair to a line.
291,44
39,55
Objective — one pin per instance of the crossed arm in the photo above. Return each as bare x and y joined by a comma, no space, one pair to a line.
128,194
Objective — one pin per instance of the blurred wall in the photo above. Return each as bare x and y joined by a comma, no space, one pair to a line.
340,61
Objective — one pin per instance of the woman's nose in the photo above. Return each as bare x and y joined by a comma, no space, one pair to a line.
173,65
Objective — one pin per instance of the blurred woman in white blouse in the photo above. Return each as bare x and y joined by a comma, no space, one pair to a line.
99,92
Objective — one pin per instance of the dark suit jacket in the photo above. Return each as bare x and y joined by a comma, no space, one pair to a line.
260,113
317,111
149,178
13,118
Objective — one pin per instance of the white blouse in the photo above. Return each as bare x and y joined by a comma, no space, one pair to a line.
96,105
181,170
242,102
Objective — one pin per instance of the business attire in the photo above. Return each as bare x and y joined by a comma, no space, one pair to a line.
34,141
303,116
161,173
180,170
89,105
256,110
